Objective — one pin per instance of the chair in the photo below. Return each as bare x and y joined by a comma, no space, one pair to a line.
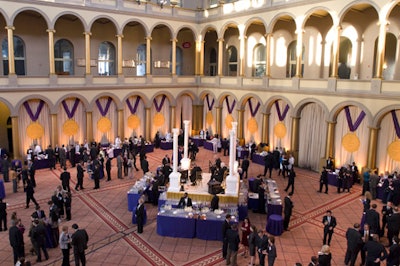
199,177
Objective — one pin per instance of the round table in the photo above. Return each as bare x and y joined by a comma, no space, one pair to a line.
275,224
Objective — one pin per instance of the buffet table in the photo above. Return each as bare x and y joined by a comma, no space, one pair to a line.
175,223
41,164
166,145
141,187
258,158
332,179
210,228
208,145
2,190
198,141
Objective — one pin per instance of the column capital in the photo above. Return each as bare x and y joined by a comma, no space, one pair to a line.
87,33
51,30
374,128
9,27
119,36
220,40
331,122
174,40
148,38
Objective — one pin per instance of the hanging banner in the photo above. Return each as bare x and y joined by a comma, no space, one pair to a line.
34,130
70,127
209,115
104,123
159,118
280,128
394,147
229,118
252,124
133,120
350,141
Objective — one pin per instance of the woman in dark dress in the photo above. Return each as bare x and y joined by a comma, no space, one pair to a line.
245,233
252,244
324,256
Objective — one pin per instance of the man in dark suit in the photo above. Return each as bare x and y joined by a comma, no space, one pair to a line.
50,156
214,202
245,167
354,244
139,213
393,223
329,222
376,252
372,218
329,164
323,180
79,241
366,235
185,201
268,164
144,164
387,211
3,215
16,240
233,240
63,157
287,211
65,177
394,253
225,227
79,176
38,214
291,176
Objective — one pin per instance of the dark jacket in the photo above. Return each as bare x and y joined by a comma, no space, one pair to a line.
233,239
79,240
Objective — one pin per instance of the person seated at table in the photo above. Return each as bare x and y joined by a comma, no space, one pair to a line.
218,174
185,201
193,173
214,202
330,164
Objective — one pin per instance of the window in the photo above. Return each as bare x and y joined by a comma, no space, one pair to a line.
106,59
179,59
232,61
141,60
19,56
64,57
213,62
291,64
259,60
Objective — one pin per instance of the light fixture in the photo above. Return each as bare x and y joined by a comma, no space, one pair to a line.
162,3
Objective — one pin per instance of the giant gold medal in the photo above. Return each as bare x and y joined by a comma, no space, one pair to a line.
70,127
350,142
133,121
394,150
35,130
158,120
209,118
104,124
280,130
252,125
228,121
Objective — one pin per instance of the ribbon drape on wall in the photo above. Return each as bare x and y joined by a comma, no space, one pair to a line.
228,115
252,121
134,114
279,117
209,114
106,110
71,109
160,107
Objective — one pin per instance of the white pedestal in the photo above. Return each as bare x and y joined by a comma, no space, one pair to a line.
232,183
174,182
185,163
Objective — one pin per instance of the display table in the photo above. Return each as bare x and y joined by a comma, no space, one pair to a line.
176,224
333,179
380,191
241,153
165,145
251,184
133,199
275,225
198,141
134,216
2,190
243,212
208,145
210,228
252,201
41,164
258,159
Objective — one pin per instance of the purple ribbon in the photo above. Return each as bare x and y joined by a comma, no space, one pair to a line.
353,127
278,110
230,108
253,112
159,107
396,123
134,108
35,116
210,106
71,113
104,111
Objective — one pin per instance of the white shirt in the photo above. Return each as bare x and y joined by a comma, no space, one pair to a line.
37,149
117,142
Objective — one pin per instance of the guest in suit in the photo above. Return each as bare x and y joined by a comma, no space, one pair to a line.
372,218
225,227
393,225
65,177
376,252
262,246
108,168
291,176
65,242
354,244
233,240
330,164
16,240
366,235
185,201
3,215
324,256
214,202
50,156
38,238
252,244
38,214
314,261
140,215
29,194
96,174
79,176
144,164
329,222
245,167
63,156
271,251
387,211
393,258
323,180
288,207
79,241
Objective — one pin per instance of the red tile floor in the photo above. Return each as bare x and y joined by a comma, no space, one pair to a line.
113,239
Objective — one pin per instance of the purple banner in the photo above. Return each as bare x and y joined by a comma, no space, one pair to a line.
253,112
134,108
33,116
396,123
159,107
104,111
278,110
210,106
230,108
353,127
71,113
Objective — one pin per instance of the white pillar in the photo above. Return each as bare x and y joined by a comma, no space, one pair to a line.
185,162
175,176
232,180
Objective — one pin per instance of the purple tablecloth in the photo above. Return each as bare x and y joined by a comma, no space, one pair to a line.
166,145
275,225
175,226
208,145
133,199
42,164
197,141
274,209
2,190
242,153
209,229
258,159
243,212
332,180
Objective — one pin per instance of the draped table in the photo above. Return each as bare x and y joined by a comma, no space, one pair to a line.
333,177
210,228
166,145
198,141
258,158
208,145
275,224
176,223
2,190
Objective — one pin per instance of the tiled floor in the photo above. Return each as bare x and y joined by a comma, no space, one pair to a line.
113,239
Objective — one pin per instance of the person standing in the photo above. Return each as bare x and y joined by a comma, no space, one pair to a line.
376,252
108,167
245,234
252,244
373,183
67,205
245,167
262,246
225,227
288,207
65,177
393,225
393,258
329,222
291,176
96,175
330,164
79,176
29,194
120,162
324,256
268,164
233,240
63,156
79,241
144,164
38,238
65,245
139,213
323,180
3,215
372,218
50,156
354,244
16,240
387,211
271,251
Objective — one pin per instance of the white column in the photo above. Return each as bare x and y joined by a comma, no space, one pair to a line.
185,162
232,180
175,176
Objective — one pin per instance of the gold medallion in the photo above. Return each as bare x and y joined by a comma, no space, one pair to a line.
159,120
252,125
70,127
350,142
280,130
133,121
394,150
104,124
209,118
35,130
228,121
